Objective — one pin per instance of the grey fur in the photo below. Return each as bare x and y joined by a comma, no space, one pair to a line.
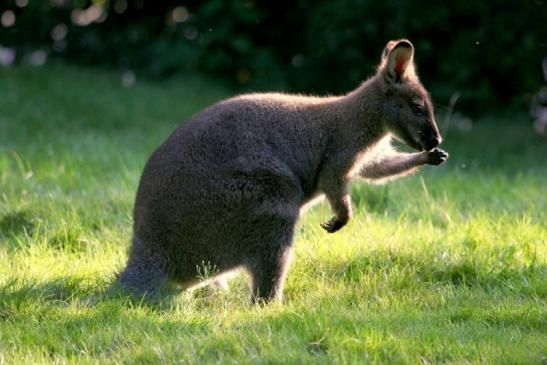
226,188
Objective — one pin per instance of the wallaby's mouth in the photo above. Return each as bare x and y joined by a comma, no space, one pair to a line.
417,146
410,142
418,140
413,142
428,139
407,138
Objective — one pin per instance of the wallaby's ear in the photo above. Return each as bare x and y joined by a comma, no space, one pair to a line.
397,61
387,49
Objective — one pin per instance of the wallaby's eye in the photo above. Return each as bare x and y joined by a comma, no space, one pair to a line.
418,109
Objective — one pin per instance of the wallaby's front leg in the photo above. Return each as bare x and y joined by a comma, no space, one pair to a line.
401,164
340,203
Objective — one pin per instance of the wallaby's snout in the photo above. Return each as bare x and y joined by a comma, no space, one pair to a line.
430,138
433,142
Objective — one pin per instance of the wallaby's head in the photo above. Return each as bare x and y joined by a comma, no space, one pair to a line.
407,107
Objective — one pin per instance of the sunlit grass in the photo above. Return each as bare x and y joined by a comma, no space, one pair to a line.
447,266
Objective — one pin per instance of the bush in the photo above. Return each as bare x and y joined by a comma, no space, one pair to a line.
490,52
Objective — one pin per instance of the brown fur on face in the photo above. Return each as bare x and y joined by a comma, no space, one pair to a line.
408,110
226,188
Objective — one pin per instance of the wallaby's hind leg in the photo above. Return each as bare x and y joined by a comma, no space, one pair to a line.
221,284
268,266
146,272
221,281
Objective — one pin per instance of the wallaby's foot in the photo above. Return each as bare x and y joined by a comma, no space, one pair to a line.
144,276
436,156
140,285
334,224
268,295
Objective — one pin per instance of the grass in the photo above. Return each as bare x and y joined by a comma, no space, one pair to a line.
448,266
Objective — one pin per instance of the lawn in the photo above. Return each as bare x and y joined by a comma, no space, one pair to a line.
447,266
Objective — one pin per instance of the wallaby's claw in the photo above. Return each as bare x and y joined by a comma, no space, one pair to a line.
436,156
332,225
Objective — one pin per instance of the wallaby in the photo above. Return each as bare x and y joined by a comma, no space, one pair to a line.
226,188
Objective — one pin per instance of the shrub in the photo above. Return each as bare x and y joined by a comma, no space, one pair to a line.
490,52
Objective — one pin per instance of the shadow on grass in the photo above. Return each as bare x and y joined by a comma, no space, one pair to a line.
66,290
65,319
17,222
82,292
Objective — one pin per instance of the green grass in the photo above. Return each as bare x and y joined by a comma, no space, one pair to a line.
448,266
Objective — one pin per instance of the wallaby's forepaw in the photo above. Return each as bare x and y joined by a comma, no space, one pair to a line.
436,156
333,225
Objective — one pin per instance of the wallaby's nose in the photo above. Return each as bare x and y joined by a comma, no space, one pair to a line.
439,139
434,142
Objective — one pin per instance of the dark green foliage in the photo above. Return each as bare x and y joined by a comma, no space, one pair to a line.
488,51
